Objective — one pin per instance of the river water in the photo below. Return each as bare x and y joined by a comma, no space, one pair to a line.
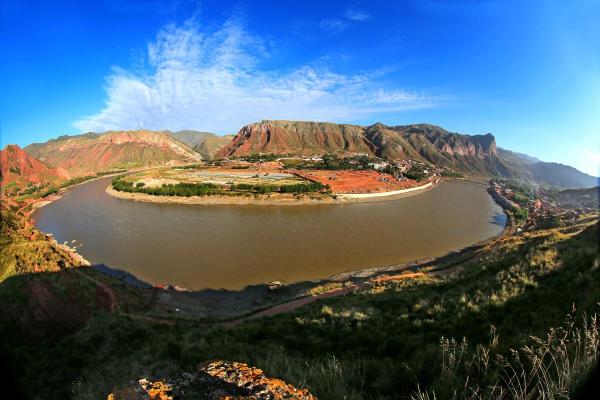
231,246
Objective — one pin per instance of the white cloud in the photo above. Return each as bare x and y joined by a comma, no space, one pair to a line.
349,17
590,162
356,15
212,81
333,25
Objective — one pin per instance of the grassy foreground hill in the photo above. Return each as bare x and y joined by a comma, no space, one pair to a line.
72,332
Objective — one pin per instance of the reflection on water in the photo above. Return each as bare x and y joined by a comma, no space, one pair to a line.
200,246
499,218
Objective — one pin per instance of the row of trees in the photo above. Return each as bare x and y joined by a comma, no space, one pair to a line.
293,188
180,189
204,189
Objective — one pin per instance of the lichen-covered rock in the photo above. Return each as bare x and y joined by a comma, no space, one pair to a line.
251,382
217,380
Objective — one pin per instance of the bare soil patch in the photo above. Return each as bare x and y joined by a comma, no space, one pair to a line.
367,181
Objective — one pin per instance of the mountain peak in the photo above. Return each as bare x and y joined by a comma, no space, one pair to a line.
12,148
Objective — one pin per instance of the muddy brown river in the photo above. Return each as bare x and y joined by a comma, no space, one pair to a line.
231,246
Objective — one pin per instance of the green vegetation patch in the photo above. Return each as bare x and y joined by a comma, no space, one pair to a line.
416,172
208,189
521,215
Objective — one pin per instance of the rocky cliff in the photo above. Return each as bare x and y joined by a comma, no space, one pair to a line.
469,154
427,143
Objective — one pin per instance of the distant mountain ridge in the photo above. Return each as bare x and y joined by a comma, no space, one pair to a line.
205,143
92,152
560,175
580,198
518,157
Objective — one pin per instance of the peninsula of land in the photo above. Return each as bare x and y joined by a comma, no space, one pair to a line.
270,180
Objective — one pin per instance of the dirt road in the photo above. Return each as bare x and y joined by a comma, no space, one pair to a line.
295,304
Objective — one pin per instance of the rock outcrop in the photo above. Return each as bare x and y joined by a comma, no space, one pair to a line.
218,380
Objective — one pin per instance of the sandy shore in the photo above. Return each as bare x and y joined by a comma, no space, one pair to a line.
387,195
273,199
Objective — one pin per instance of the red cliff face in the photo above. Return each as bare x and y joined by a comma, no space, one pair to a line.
422,142
296,137
17,166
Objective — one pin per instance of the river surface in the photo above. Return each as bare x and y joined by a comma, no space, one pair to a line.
231,246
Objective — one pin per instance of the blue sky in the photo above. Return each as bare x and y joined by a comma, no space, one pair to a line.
528,72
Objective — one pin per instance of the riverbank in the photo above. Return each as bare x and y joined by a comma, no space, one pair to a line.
226,304
273,198
367,278
229,308
44,201
233,239
391,195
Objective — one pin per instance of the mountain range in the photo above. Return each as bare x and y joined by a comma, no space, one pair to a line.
469,154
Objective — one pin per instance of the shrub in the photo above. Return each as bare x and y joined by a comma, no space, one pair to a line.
521,215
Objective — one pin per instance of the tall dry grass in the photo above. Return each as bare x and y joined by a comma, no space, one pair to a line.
550,367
